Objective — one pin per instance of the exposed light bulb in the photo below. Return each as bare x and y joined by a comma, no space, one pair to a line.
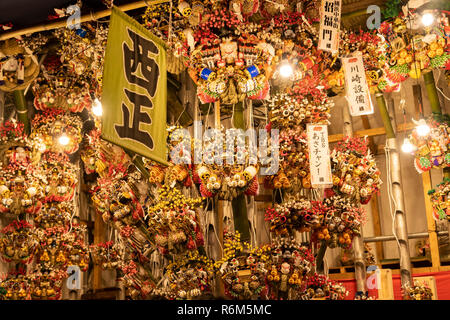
427,19
64,140
422,129
97,108
407,146
286,70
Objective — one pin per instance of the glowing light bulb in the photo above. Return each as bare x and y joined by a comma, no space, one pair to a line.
64,140
286,70
422,129
97,108
407,146
427,19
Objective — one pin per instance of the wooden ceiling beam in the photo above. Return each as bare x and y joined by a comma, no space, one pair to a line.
371,132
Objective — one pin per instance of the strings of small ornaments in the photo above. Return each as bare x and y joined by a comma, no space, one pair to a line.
439,197
237,172
293,173
59,178
46,284
291,109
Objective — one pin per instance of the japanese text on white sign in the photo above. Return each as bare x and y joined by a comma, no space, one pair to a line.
357,90
330,20
319,155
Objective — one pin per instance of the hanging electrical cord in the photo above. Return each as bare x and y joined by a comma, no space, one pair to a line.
441,92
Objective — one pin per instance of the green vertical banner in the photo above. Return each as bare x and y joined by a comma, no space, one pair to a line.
135,89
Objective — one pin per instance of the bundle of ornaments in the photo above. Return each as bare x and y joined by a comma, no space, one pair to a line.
339,221
354,171
431,145
153,220
19,185
173,222
414,49
188,277
223,172
106,254
418,291
232,48
290,216
282,270
439,197
38,185
71,75
236,175
117,195
290,112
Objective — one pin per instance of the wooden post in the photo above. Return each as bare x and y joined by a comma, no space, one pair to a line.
218,210
397,193
434,244
2,106
435,105
377,226
98,238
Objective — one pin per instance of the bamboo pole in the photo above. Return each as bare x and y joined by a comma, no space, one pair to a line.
84,18
397,193
358,244
22,109
432,94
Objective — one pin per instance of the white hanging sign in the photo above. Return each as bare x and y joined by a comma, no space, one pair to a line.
357,90
330,21
319,155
